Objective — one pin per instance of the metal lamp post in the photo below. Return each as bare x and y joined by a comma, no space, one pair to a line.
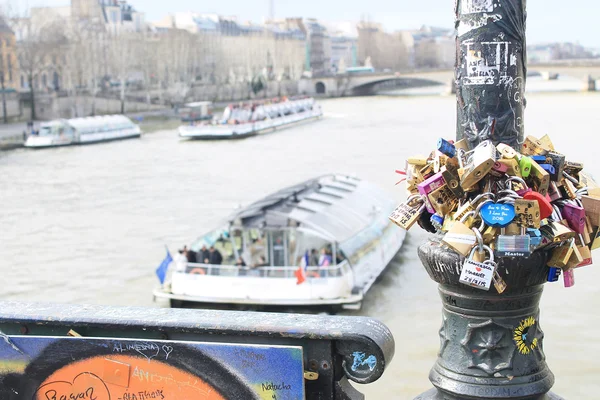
491,345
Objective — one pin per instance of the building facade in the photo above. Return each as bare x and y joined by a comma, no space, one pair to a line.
9,66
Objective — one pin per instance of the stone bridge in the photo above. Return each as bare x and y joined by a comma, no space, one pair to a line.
369,84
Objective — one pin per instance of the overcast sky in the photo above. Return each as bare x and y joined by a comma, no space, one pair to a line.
549,20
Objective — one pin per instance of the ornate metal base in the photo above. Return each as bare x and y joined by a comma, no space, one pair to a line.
491,345
435,394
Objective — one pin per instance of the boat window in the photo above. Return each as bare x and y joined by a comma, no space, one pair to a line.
302,241
278,248
256,247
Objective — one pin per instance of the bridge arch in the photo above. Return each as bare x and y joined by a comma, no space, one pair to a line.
320,88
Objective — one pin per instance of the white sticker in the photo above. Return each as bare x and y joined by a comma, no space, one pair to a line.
477,6
486,62
477,275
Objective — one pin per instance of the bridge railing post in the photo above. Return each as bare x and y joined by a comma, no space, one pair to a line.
48,351
480,356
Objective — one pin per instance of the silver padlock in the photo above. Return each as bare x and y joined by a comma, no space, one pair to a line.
478,274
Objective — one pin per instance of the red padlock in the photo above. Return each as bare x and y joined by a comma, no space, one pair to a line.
545,206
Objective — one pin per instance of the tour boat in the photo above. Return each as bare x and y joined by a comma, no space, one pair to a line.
321,243
65,132
251,119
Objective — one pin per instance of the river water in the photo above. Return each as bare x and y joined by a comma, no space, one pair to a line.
89,224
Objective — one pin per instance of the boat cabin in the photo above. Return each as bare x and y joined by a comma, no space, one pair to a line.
198,111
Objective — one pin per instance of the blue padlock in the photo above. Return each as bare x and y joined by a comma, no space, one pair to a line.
539,159
536,237
549,168
554,274
447,148
497,215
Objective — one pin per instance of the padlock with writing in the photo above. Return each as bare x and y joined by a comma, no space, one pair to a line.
532,146
527,213
573,167
540,179
508,245
430,184
442,200
476,274
460,237
407,214
553,274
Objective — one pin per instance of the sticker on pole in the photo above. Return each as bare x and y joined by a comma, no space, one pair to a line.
477,275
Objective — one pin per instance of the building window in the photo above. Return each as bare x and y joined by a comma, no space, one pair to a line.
10,75
114,16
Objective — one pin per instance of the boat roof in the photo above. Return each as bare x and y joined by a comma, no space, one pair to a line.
198,104
99,121
336,207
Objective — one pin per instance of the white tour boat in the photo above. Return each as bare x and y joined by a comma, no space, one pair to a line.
65,132
321,243
242,121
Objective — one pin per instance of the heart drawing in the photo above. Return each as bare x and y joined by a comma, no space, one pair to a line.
478,269
85,386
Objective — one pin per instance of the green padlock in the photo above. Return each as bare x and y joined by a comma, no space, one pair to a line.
525,166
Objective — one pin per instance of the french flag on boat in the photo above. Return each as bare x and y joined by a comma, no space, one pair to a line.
301,271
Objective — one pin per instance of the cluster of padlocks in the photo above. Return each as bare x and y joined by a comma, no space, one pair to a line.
493,202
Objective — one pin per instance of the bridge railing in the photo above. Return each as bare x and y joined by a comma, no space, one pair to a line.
66,351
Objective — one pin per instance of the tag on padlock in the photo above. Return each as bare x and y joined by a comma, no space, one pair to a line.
553,274
405,215
569,278
477,275
527,213
460,237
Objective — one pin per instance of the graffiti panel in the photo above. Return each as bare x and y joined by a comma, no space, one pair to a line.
61,368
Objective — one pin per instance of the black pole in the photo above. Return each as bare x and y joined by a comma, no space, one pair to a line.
490,70
491,345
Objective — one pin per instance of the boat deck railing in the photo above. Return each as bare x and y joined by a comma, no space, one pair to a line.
331,271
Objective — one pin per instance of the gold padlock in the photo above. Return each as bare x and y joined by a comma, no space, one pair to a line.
569,189
443,200
561,256
407,214
596,240
527,213
561,233
575,259
512,166
547,143
592,209
418,161
461,237
506,151
533,147
540,178
489,234
452,180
